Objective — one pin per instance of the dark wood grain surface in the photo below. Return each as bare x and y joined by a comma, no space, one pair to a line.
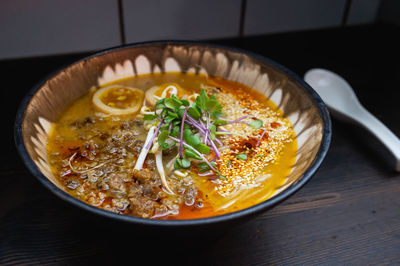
349,213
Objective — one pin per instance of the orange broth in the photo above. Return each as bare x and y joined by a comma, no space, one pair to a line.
64,139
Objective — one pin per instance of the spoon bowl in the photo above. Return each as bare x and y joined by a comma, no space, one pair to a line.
344,104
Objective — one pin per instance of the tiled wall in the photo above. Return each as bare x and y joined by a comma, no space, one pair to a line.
45,27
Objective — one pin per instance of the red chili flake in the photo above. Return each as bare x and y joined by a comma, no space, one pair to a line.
275,125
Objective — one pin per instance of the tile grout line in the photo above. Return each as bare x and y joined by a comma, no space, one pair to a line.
121,22
242,17
346,12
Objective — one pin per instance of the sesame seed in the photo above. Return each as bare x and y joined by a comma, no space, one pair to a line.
278,131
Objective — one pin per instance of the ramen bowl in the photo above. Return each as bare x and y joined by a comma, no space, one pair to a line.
300,103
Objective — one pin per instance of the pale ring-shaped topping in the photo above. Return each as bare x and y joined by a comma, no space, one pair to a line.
150,99
133,95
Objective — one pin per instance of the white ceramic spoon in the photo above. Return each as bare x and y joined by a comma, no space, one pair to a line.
342,101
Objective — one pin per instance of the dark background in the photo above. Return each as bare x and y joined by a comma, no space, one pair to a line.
347,214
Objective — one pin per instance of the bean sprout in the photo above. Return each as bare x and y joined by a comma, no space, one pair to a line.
144,151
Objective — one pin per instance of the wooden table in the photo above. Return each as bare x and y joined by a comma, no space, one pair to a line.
349,213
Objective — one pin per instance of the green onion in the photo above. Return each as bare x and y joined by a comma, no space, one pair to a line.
242,156
256,124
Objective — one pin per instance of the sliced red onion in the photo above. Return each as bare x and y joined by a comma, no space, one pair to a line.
195,123
259,139
170,128
208,173
235,121
198,127
202,129
217,153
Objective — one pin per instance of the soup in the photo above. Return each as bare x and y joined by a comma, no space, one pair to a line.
172,146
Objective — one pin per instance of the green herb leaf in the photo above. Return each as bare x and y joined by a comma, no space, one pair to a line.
160,104
193,112
213,106
172,103
185,102
164,126
213,130
222,177
217,114
260,155
256,124
202,99
219,122
182,163
203,166
242,156
163,112
177,164
162,137
197,107
204,149
228,164
166,145
191,154
175,98
169,118
174,115
149,117
180,112
175,131
190,138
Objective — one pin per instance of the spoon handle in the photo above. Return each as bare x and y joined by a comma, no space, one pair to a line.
377,128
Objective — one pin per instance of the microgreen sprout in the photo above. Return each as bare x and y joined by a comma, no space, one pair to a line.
193,126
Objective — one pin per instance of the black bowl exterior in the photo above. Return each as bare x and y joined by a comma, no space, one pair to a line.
301,104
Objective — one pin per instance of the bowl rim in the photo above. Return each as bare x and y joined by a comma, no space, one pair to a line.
254,209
